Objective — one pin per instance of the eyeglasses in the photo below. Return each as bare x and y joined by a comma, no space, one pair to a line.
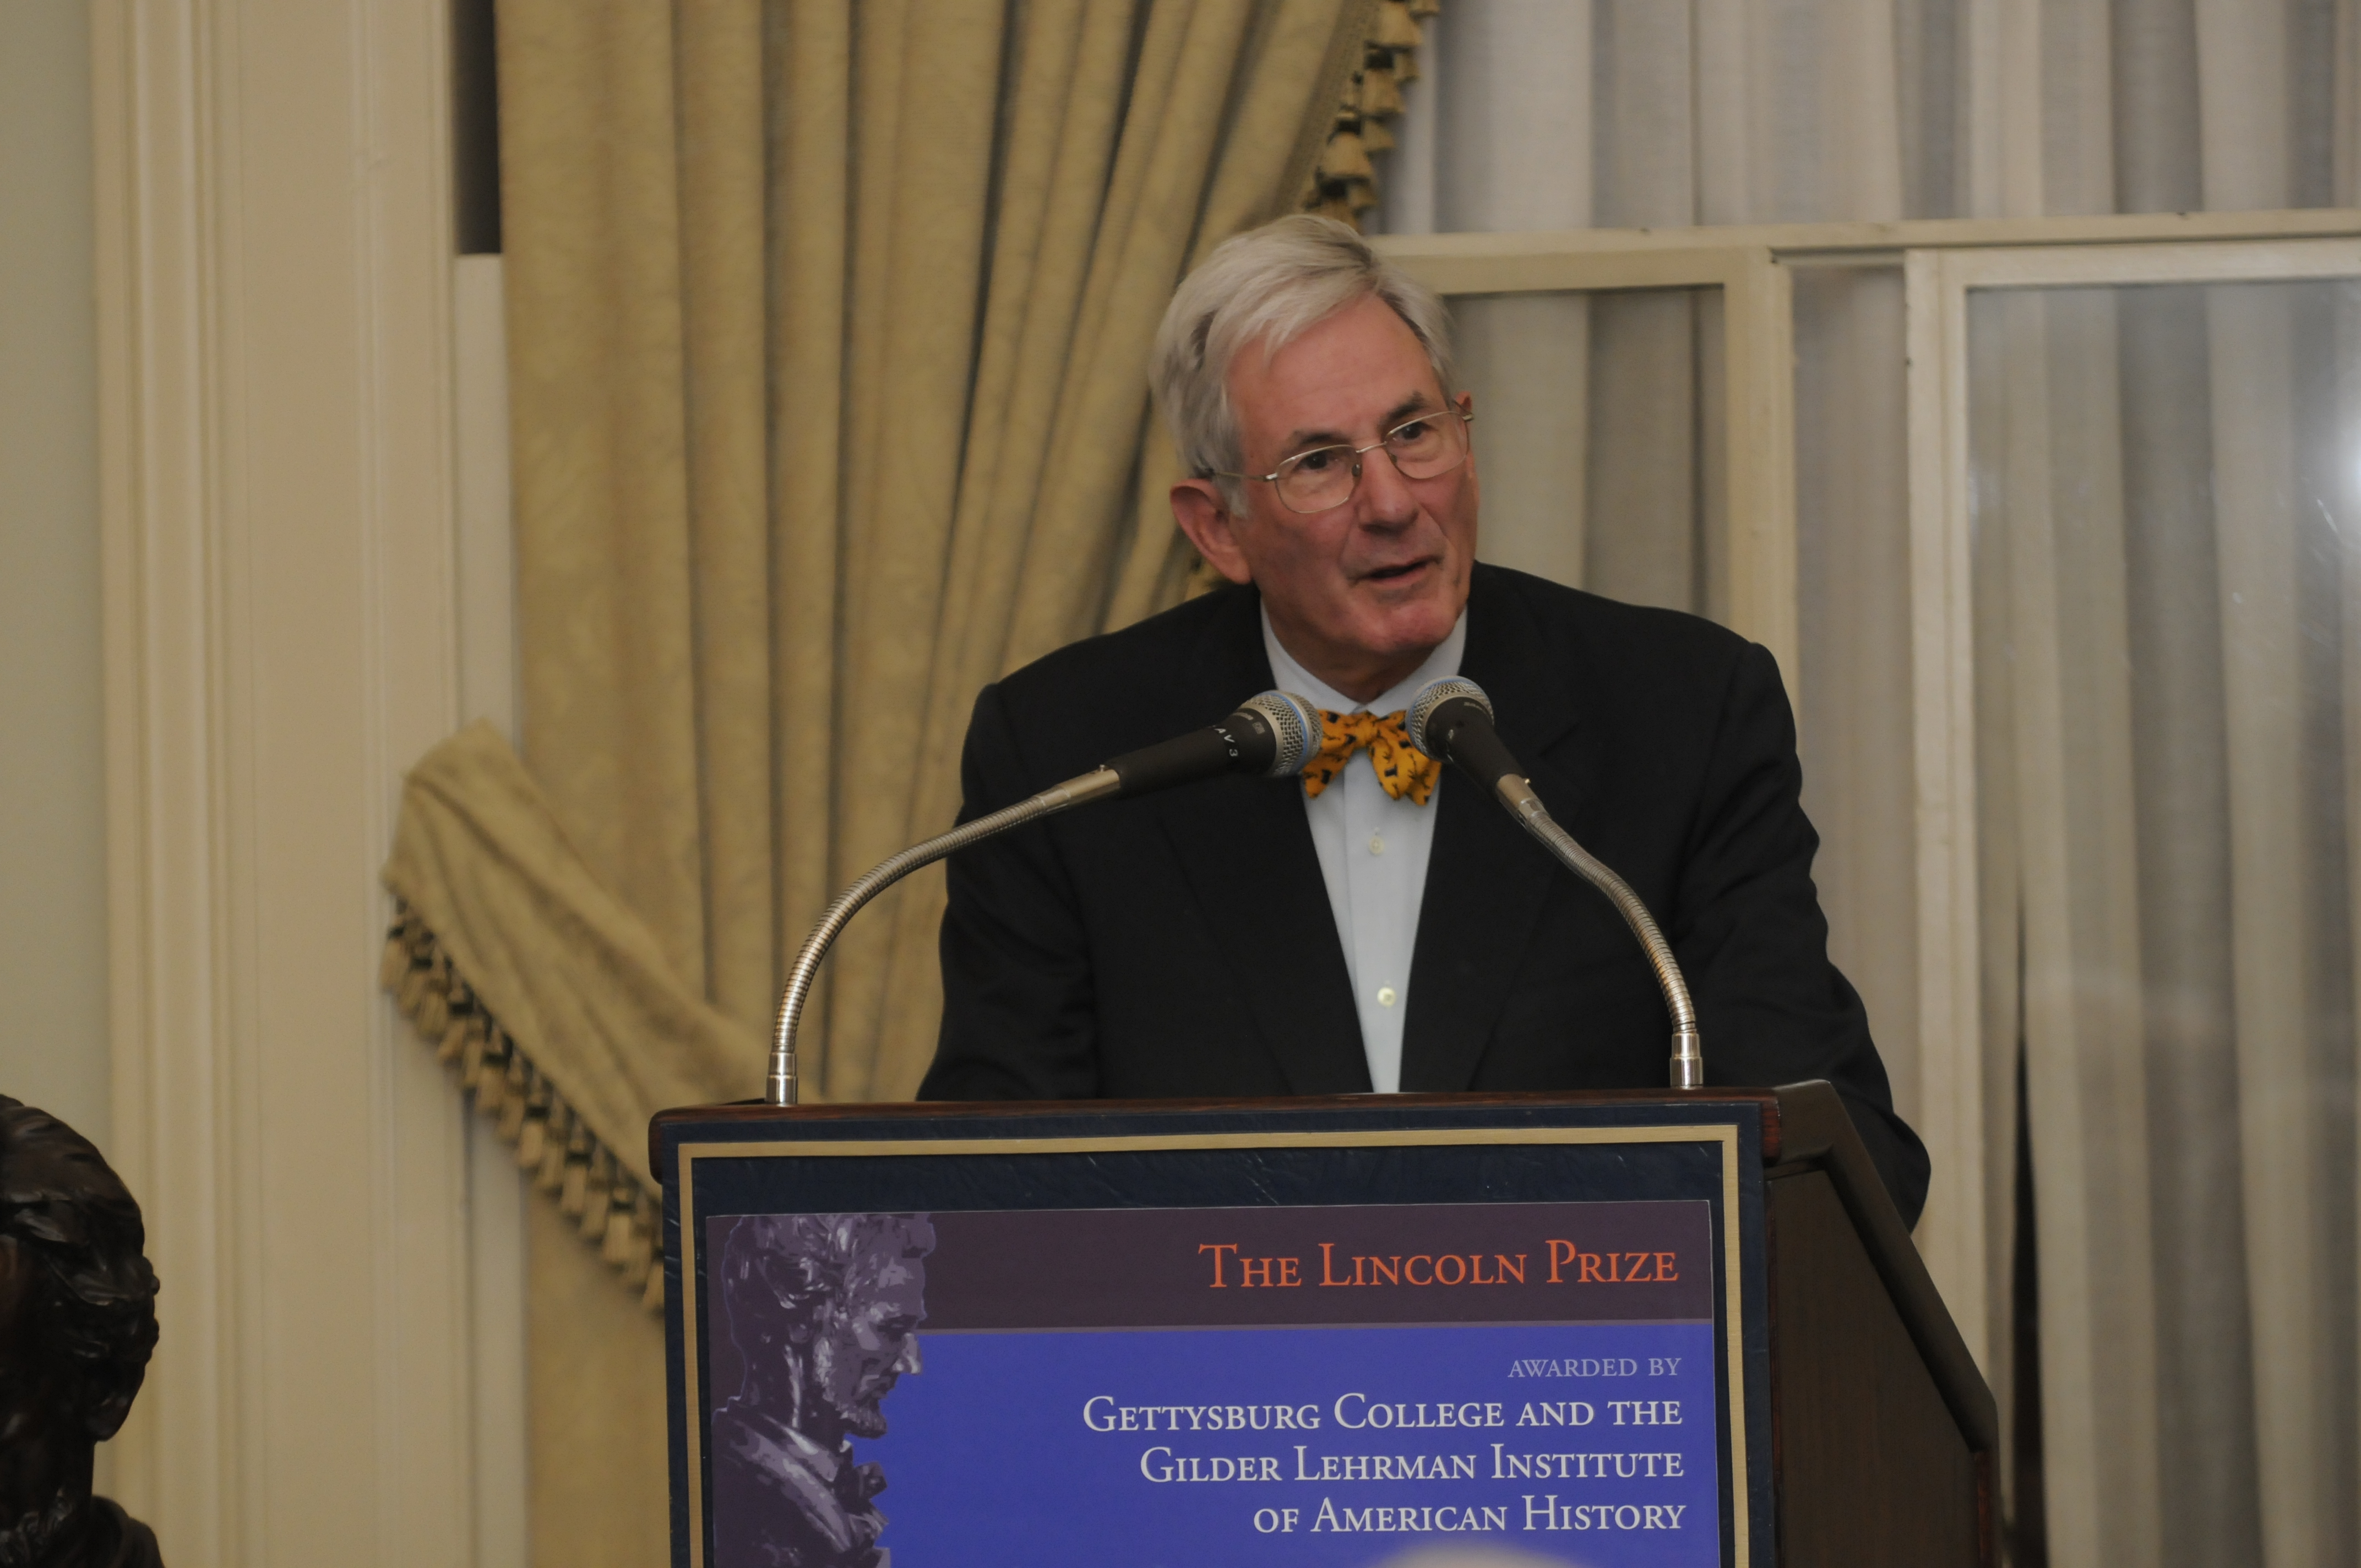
1426,447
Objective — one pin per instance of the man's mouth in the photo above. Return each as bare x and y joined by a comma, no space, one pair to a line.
1396,574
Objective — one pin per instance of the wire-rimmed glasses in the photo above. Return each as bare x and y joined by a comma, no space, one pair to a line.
1424,447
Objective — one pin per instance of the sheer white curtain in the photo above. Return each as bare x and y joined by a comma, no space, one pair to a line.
2163,524
2153,887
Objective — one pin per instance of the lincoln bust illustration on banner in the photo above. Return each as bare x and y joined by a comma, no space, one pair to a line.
823,1309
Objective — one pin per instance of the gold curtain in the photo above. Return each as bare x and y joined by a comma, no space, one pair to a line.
828,328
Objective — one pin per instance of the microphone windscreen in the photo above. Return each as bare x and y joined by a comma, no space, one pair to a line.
1295,731
1451,721
1432,695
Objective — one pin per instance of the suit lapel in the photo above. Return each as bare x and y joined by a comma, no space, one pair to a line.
1486,881
1245,849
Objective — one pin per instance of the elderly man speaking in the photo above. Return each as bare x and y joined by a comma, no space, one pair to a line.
1375,925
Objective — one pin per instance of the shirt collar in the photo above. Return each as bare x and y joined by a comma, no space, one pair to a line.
1293,678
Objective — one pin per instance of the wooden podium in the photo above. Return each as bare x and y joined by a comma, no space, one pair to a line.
1279,1259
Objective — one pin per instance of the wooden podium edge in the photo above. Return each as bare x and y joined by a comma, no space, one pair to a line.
1816,1131
1767,1099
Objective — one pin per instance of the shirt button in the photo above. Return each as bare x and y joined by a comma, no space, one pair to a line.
1377,843
1386,996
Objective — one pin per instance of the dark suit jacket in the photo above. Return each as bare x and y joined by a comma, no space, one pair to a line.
1183,944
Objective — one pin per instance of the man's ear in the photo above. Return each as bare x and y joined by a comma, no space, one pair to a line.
1198,507
1466,403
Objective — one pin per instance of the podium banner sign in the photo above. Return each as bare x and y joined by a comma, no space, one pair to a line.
1300,1343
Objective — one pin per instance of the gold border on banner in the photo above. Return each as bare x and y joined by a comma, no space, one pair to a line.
1724,1134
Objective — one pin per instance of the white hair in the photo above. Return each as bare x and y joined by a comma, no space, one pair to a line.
1267,287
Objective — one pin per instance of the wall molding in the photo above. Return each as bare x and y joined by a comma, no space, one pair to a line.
280,640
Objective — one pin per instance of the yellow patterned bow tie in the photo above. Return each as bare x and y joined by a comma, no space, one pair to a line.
1401,768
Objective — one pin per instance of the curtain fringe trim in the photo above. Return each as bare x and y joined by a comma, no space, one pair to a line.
612,1210
1344,182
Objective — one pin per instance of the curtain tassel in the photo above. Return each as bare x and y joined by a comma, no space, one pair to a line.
574,1196
551,1177
434,998
554,1147
533,1140
533,1137
619,1207
1344,183
595,1203
1396,29
492,1078
513,1099
597,1195
1345,158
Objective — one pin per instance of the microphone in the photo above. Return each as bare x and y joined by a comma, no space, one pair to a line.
1273,735
1451,719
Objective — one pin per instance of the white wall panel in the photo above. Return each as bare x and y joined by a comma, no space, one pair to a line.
276,416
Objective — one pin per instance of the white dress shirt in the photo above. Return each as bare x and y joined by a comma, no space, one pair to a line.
1373,852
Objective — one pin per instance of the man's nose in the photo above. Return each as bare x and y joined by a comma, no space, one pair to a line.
909,1361
1385,494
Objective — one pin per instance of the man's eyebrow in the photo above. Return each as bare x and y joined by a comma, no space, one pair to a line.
1415,403
1305,440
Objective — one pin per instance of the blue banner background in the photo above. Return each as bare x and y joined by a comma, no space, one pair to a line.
989,1463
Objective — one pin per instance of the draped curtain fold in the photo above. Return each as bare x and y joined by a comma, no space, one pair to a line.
2166,922
829,325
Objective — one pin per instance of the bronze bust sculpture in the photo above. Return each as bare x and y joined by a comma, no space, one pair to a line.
824,1309
77,1324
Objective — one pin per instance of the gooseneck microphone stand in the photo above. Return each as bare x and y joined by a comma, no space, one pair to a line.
783,1086
1273,735
1452,719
